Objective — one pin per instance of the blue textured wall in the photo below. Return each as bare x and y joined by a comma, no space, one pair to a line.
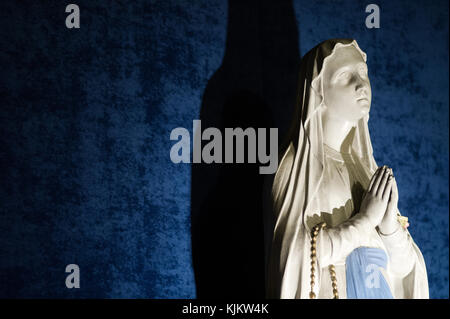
85,119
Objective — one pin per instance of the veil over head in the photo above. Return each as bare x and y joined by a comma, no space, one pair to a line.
295,206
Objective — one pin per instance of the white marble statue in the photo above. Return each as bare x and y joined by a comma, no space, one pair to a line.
327,177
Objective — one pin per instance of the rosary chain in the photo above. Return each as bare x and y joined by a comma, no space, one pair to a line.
315,233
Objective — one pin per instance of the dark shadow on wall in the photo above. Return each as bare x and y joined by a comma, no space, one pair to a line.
254,87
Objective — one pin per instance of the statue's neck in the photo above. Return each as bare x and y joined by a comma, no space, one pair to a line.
337,133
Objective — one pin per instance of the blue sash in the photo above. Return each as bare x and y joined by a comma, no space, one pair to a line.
364,278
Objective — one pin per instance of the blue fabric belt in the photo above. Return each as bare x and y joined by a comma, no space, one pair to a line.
364,278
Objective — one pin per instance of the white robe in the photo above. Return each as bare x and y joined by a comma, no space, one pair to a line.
406,271
404,258
310,187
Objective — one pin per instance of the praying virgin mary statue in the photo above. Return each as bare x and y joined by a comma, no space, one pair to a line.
336,231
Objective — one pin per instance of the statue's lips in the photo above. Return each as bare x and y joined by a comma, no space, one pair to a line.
363,98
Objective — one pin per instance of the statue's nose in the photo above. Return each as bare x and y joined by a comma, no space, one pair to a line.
361,87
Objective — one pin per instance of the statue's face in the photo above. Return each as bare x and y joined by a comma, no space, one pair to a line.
346,85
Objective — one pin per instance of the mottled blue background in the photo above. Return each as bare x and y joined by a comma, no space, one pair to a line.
86,116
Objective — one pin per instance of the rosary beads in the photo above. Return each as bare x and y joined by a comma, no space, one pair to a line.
315,233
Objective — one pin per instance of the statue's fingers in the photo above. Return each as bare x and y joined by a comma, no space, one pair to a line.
391,205
377,181
394,191
383,182
388,189
372,180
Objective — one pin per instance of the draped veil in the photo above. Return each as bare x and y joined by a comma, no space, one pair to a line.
295,206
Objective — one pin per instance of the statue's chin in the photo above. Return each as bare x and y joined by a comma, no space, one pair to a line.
365,106
363,112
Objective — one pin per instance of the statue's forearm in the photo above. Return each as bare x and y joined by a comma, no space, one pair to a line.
402,255
335,243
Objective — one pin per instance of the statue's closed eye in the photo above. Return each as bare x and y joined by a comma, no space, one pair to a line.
344,75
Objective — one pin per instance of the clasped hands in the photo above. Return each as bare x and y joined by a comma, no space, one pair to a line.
380,201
